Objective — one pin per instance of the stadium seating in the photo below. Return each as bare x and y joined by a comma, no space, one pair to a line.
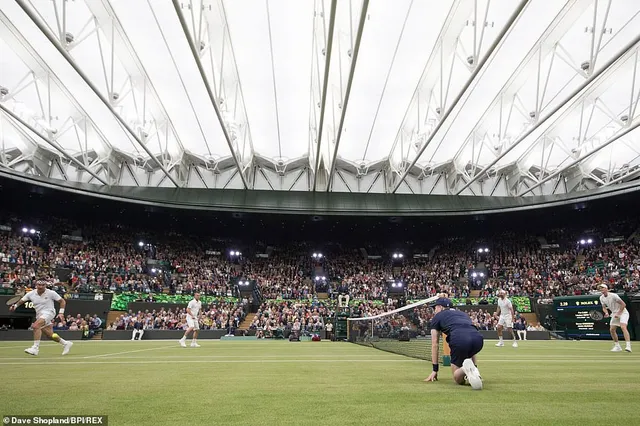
172,268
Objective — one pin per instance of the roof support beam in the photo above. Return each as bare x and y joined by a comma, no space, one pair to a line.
55,42
212,98
325,83
347,93
611,140
57,147
98,9
505,29
551,113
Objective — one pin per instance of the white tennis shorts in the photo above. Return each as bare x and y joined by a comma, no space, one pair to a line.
624,319
193,323
47,318
506,322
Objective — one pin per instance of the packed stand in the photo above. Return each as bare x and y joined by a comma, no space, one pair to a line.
217,316
108,260
278,319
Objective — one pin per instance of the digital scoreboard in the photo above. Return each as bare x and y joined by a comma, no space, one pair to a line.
582,316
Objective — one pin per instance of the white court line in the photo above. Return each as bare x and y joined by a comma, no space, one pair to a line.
222,357
527,357
563,348
318,358
129,352
230,361
294,361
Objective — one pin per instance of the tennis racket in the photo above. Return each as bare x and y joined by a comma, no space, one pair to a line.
14,299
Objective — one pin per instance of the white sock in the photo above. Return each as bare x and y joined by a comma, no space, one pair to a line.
184,338
628,344
501,338
62,341
193,341
36,344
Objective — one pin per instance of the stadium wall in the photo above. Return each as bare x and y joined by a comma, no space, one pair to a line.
27,335
20,335
74,307
176,334
531,335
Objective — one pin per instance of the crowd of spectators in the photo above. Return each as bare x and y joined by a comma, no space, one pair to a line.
113,258
217,316
282,318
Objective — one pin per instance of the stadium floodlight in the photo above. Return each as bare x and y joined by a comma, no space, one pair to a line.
140,244
589,241
398,255
398,284
25,230
481,274
235,253
483,250
474,275
323,278
317,278
583,242
32,231
153,270
317,255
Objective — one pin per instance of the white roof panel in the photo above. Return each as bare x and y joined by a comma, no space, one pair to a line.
548,104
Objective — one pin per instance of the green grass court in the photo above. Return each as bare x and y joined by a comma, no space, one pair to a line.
318,383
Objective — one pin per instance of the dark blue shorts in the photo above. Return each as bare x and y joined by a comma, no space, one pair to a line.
465,346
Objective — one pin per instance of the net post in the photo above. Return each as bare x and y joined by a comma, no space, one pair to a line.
372,331
446,352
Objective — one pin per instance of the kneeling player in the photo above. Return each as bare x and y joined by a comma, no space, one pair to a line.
464,340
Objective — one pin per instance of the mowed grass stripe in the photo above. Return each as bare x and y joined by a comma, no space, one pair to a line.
284,383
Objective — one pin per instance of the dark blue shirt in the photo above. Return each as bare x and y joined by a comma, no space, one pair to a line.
453,323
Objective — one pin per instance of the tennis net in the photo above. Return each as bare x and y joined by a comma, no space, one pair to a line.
404,331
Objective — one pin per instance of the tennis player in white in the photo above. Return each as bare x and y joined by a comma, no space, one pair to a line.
506,319
620,316
42,299
193,321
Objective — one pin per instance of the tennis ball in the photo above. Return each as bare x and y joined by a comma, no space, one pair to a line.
55,336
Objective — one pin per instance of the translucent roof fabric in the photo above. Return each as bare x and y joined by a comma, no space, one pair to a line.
461,97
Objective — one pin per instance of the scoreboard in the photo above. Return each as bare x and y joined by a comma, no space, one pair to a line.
582,316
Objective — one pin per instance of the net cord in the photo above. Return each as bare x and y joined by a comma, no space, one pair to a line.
395,311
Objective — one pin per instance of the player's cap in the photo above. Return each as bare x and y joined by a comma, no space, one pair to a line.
603,287
444,302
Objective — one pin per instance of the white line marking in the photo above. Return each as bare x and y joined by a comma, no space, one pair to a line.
301,357
293,361
129,352
230,361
